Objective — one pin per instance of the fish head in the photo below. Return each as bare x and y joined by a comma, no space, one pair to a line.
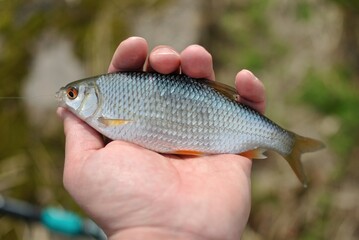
79,97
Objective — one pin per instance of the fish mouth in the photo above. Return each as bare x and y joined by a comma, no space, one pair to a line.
59,95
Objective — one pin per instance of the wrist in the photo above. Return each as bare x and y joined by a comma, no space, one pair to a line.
149,233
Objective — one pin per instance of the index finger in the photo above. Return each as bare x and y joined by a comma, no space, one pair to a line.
130,55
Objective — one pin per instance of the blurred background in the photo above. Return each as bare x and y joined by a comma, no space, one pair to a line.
305,51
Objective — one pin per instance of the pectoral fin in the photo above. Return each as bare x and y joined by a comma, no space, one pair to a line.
112,122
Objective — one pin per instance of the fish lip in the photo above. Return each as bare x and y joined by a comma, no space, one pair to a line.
59,95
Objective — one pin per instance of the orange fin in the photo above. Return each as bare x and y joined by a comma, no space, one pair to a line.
301,145
188,152
112,122
257,153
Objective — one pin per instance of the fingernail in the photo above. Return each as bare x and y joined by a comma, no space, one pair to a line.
133,38
164,51
249,72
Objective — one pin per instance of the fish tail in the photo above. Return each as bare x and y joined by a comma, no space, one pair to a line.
301,145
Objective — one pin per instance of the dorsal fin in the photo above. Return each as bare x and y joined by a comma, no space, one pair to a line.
222,88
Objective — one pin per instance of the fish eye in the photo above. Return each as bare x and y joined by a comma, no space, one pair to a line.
72,93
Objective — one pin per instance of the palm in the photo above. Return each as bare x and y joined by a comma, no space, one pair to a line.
148,188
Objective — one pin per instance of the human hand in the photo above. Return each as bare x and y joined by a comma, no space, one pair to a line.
134,193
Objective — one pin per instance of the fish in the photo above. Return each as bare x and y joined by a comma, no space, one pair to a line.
177,114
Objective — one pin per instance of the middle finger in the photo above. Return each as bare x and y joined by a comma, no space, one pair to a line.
163,59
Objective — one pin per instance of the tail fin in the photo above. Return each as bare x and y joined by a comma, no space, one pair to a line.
301,145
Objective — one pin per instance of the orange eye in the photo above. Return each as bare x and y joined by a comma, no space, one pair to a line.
72,93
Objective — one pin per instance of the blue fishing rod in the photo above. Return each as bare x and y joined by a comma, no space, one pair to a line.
54,219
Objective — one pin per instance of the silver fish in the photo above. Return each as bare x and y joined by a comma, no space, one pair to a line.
180,115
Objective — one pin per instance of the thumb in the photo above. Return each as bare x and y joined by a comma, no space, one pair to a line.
81,139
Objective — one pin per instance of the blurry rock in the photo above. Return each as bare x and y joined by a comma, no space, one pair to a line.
178,23
53,66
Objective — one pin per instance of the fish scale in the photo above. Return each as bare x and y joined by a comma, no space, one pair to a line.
178,114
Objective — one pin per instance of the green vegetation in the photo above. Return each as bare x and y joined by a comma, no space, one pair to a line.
243,29
334,93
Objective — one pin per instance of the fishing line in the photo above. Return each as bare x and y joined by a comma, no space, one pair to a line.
47,96
12,98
